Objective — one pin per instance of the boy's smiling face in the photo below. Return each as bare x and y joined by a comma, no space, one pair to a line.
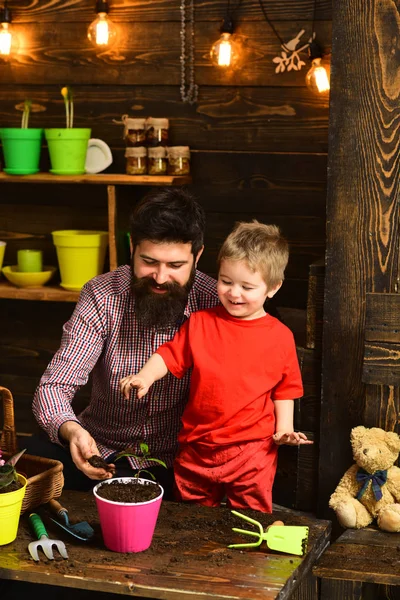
242,291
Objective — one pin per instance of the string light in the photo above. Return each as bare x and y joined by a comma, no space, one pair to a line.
102,32
8,39
317,78
226,52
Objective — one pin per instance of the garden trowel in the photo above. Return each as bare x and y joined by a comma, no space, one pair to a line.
83,531
291,539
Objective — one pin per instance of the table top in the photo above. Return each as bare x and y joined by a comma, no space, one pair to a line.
368,555
188,557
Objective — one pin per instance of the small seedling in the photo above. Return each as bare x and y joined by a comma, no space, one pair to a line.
27,107
67,94
25,114
99,463
141,458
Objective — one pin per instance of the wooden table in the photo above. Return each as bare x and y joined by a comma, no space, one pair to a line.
357,563
188,557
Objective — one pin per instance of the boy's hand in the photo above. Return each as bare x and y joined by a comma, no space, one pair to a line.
292,438
133,381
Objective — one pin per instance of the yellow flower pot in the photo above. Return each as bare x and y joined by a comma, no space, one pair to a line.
81,255
10,510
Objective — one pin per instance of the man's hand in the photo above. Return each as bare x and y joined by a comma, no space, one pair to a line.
291,438
82,446
134,381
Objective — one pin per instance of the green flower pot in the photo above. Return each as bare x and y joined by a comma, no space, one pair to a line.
67,149
21,149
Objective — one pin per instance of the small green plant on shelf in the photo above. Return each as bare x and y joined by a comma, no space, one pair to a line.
25,114
27,107
67,94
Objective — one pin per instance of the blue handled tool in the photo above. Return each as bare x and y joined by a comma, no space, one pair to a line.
82,530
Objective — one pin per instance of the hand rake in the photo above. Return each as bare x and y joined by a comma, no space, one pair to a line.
44,542
289,539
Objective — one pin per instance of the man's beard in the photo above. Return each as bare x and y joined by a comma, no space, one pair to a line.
160,310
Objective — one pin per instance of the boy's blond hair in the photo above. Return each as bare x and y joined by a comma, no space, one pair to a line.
262,247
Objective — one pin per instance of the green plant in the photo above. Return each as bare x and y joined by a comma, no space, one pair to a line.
8,472
25,114
67,94
27,107
141,458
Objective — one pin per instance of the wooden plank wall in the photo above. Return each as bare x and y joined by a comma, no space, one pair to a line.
258,140
362,230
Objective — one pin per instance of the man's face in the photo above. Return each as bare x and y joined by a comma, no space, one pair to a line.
163,274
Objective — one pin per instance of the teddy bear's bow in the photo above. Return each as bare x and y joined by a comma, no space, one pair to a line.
377,480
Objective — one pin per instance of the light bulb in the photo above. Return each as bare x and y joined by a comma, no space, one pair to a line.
317,78
5,39
8,39
102,32
225,52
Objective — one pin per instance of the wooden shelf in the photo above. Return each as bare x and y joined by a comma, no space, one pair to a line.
57,293
99,179
53,293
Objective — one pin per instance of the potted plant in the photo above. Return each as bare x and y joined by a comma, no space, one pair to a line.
12,492
128,507
22,145
68,145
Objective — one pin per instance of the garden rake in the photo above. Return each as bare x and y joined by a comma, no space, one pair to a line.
43,541
283,538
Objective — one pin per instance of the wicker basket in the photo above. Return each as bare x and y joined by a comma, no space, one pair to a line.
45,476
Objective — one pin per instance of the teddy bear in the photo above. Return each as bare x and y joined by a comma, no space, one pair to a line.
370,488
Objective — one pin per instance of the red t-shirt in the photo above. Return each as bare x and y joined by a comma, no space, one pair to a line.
239,368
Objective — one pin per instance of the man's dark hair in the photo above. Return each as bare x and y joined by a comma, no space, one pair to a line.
168,215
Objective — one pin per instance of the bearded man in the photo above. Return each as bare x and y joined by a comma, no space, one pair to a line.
121,318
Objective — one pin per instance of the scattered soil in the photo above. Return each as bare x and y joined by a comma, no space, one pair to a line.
132,491
99,463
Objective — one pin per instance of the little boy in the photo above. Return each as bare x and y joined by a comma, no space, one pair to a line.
245,377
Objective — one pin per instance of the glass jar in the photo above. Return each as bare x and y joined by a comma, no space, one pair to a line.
178,160
134,132
157,132
157,160
136,160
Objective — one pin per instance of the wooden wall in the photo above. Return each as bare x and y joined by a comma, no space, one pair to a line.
362,259
258,140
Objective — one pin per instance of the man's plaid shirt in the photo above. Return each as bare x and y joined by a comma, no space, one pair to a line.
104,338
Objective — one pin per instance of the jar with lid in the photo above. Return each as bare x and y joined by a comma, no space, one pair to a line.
157,160
178,160
134,132
136,160
157,132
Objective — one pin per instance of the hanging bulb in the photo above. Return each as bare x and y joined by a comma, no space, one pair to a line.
225,52
317,78
102,32
8,39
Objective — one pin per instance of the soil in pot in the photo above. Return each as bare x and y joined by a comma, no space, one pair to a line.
133,491
13,487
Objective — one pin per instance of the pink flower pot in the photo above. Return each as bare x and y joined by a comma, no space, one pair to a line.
127,527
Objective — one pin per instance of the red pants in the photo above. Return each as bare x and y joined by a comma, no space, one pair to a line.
243,473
